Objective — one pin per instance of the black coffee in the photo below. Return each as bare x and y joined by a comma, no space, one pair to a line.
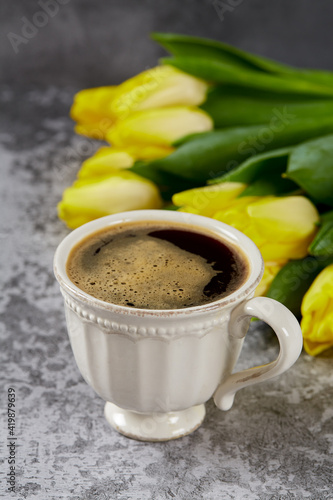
151,265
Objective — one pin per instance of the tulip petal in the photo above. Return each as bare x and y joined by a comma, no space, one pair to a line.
317,311
324,281
90,111
285,219
159,127
270,271
235,214
149,151
208,200
157,87
145,152
315,348
89,199
284,251
106,161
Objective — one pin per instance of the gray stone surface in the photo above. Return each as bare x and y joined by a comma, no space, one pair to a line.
275,443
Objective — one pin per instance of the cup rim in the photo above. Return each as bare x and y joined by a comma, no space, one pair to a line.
213,226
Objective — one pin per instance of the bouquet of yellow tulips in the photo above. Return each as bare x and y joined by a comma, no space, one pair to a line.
223,133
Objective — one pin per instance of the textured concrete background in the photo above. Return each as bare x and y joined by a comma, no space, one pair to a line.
94,42
276,442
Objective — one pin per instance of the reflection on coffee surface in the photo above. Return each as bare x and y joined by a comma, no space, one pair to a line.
151,265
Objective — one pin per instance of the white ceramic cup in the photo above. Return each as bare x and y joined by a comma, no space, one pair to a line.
157,368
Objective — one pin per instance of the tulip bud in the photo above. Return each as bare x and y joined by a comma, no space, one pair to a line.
91,111
157,87
317,312
270,271
208,200
89,199
159,127
106,161
98,109
282,227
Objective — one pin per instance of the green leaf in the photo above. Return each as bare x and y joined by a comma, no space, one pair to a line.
211,154
311,75
221,72
311,167
322,245
258,166
263,174
327,217
229,108
203,156
293,281
184,45
273,184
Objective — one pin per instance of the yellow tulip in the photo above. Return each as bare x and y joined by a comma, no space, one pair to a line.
317,312
270,271
149,151
89,199
91,111
156,88
282,227
208,200
159,127
106,161
97,109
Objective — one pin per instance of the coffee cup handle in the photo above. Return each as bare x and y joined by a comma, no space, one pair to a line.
287,330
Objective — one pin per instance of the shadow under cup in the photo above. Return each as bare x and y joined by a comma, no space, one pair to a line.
157,368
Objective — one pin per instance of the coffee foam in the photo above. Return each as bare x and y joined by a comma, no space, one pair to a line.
137,270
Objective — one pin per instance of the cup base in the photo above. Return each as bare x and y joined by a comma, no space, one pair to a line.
154,426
